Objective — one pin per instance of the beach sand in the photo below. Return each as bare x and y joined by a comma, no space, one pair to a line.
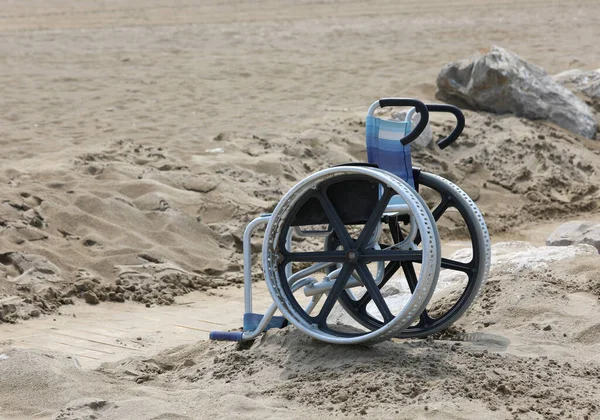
139,138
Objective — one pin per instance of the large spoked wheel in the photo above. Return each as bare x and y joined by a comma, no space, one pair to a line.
348,202
475,269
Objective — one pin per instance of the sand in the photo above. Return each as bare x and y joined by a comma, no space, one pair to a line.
139,138
527,349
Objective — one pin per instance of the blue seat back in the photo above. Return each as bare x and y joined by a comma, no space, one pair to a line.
384,147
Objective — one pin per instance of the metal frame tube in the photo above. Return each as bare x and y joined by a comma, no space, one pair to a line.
251,335
261,220
397,208
309,233
325,286
312,304
308,271
247,244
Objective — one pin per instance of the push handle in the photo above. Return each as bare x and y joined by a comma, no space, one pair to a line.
460,123
419,106
226,335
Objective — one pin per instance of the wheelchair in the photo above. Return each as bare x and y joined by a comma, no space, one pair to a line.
352,254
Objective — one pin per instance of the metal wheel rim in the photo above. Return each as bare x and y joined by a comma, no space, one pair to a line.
280,290
476,279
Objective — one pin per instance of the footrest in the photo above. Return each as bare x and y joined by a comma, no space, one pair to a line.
251,322
226,335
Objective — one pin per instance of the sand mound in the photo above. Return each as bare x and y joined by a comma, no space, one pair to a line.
125,222
408,379
137,222
524,350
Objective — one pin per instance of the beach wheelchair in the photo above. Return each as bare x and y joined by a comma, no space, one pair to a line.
352,254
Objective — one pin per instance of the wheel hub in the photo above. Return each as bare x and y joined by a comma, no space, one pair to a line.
352,255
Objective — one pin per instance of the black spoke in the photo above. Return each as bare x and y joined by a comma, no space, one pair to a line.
320,256
335,221
334,294
456,266
411,276
389,271
395,231
425,320
391,255
441,208
374,218
374,292
437,213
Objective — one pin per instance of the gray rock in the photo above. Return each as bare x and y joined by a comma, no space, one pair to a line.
501,82
426,137
587,83
576,232
91,298
31,262
592,237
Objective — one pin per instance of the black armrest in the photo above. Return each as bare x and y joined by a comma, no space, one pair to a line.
420,107
460,123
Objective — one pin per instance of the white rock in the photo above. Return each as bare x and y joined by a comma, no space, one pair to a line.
584,82
499,81
587,82
576,232
515,256
511,257
592,237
